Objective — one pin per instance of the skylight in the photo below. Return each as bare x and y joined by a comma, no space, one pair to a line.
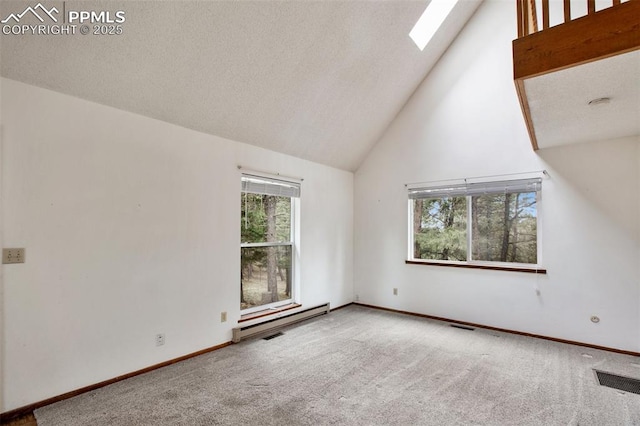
430,21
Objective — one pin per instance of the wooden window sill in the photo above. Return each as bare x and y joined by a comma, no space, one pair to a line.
531,270
267,312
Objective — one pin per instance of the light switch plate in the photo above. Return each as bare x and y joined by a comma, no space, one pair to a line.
12,255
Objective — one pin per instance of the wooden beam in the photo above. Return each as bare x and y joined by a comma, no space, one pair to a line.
526,112
609,32
591,7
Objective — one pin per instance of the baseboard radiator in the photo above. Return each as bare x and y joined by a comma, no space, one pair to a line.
283,320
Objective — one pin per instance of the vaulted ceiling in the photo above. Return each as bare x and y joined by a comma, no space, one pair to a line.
319,80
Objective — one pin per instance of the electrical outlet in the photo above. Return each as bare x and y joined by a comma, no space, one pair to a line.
357,298
395,291
160,339
223,317
13,255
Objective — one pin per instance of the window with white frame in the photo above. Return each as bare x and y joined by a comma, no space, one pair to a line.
487,222
268,228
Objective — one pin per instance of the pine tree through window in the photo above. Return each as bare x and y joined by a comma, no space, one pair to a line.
477,222
267,242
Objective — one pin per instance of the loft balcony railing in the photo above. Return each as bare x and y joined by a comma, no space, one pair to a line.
558,34
555,12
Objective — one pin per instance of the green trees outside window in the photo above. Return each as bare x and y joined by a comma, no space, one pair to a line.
493,227
265,269
504,228
440,228
267,241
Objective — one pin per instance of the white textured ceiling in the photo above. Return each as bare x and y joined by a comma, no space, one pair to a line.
559,102
319,80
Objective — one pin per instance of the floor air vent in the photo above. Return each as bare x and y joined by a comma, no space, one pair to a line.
273,336
462,327
614,381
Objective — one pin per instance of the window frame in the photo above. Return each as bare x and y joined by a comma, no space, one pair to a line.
470,262
292,243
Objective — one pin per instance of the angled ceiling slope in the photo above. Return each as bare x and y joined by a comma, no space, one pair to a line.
316,80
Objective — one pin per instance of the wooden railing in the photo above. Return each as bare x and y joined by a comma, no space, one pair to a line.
560,34
527,11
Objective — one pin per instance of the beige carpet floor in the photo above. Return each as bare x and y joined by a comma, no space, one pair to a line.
361,366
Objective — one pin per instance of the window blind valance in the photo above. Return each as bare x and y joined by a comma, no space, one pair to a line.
462,190
268,186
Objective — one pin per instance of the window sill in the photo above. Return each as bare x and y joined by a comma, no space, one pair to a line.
531,270
267,312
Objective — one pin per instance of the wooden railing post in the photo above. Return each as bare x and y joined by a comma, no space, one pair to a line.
533,17
520,13
525,17
545,14
528,16
567,10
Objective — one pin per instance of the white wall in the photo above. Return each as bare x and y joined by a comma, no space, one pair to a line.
465,121
131,228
